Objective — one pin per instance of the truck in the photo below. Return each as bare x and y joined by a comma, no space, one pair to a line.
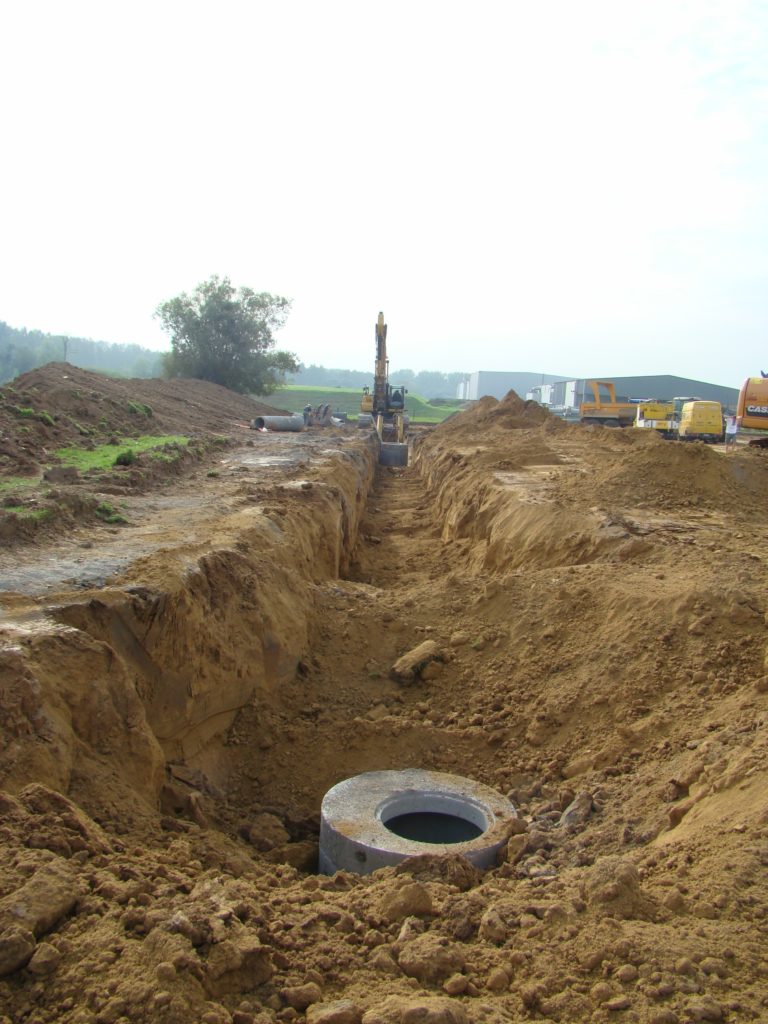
659,416
701,421
604,410
752,409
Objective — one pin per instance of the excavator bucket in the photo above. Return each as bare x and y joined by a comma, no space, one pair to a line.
393,454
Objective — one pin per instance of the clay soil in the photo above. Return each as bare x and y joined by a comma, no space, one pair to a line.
178,692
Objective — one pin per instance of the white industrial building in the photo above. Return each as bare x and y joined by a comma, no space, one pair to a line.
564,397
497,384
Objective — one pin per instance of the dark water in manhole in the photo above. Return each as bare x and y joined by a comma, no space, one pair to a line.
433,827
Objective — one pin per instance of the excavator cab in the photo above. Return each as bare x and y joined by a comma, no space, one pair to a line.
396,397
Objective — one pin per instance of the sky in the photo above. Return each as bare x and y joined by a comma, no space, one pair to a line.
574,188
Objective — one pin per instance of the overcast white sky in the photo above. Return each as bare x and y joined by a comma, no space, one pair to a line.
564,187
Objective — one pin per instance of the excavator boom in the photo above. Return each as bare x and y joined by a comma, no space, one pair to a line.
384,407
381,371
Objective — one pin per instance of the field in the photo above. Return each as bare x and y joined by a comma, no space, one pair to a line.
293,398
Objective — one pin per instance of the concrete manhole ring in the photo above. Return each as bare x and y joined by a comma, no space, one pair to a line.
380,818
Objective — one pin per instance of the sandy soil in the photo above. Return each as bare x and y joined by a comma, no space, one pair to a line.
176,698
58,406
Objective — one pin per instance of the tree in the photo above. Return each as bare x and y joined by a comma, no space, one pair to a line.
224,335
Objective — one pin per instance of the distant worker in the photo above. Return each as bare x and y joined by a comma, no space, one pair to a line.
307,415
731,430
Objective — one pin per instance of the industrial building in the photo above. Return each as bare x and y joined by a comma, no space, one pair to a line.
564,397
489,382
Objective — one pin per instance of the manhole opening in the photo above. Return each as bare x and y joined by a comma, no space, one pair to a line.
440,818
433,827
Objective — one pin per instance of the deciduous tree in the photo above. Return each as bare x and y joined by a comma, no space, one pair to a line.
223,334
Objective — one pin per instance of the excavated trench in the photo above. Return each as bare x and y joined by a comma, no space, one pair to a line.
165,656
600,663
248,672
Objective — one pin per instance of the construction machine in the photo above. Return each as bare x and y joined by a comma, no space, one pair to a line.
752,409
606,413
384,407
658,416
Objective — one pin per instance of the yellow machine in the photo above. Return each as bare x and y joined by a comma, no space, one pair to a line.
658,416
606,413
384,407
752,408
702,421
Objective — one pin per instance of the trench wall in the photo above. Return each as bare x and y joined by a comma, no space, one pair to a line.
507,527
111,685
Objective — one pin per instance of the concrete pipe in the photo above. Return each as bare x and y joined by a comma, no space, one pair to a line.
380,818
294,423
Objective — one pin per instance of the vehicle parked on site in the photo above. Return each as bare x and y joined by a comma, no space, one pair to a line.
604,410
659,416
701,421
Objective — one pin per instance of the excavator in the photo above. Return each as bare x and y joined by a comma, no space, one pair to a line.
752,408
384,407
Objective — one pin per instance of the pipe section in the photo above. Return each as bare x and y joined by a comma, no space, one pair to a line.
293,423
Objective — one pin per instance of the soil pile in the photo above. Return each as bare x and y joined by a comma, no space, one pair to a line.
599,657
58,405
511,413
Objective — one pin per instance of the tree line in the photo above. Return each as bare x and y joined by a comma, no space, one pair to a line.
427,383
218,333
22,350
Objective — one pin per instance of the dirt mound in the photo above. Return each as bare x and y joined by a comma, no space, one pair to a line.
511,413
686,473
58,405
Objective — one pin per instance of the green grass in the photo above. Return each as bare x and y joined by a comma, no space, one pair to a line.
139,409
17,483
294,397
28,413
104,456
172,456
22,512
109,514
